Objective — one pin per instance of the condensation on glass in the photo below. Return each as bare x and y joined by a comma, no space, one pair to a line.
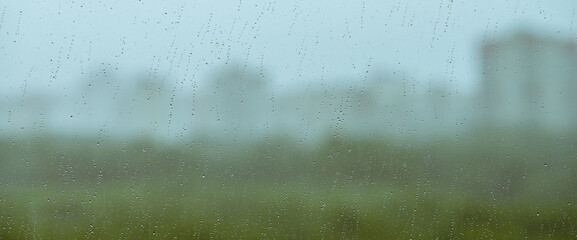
298,120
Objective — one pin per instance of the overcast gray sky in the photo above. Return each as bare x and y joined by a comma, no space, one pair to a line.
50,45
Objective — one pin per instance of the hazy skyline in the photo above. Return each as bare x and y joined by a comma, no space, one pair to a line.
50,47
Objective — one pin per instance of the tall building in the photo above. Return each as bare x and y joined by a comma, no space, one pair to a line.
530,80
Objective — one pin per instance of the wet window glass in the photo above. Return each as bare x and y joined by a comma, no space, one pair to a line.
288,119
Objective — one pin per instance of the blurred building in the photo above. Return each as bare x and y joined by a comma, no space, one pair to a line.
108,105
236,103
530,80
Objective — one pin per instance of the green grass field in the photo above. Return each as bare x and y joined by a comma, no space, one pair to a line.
491,186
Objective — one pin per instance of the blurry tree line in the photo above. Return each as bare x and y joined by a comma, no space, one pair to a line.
501,164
